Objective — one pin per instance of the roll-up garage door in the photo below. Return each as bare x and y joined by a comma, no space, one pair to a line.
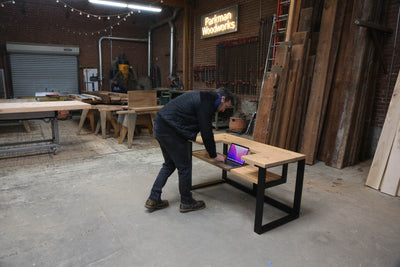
32,73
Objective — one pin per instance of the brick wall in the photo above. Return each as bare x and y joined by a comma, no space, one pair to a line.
48,22
386,82
249,14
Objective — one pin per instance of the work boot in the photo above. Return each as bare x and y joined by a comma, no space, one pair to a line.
153,205
195,205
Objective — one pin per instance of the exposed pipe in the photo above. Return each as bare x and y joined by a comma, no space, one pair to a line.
171,53
161,23
113,38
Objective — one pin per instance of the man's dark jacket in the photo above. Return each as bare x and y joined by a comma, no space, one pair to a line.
191,113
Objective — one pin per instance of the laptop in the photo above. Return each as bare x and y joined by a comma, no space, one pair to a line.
235,153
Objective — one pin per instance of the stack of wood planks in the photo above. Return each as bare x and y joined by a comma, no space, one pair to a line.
318,97
110,97
384,174
90,99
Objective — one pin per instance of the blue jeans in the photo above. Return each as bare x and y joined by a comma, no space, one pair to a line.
177,153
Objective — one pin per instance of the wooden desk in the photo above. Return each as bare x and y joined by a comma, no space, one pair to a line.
37,110
260,158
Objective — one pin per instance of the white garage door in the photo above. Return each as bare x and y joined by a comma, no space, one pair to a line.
32,73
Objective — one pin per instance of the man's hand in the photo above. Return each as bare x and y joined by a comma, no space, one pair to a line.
219,158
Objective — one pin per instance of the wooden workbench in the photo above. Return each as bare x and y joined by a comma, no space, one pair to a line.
29,107
129,120
23,110
260,157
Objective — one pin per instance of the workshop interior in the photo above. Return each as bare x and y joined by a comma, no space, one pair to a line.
315,87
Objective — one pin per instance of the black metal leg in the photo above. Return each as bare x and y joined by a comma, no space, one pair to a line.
284,172
293,213
225,151
299,186
260,200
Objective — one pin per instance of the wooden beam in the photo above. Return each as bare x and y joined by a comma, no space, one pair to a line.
372,25
354,85
291,17
322,78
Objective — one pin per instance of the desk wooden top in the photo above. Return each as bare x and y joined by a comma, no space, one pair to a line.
27,107
262,155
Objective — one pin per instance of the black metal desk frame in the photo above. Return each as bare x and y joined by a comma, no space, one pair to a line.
258,191
51,143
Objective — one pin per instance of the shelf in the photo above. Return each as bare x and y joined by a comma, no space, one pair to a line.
247,172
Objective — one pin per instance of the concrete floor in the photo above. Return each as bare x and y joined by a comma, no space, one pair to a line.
85,207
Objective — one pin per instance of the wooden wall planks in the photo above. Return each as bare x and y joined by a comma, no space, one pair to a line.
322,103
321,83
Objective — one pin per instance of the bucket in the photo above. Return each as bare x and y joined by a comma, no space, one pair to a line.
237,125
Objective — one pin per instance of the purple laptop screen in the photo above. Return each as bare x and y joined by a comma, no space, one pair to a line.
236,152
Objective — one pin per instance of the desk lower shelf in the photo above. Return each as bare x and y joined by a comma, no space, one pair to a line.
247,172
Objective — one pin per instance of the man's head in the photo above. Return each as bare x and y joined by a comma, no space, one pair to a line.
226,99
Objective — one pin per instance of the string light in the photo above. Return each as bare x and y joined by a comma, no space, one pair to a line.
117,18
2,4
120,17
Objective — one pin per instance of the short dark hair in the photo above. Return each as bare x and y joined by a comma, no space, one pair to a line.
225,92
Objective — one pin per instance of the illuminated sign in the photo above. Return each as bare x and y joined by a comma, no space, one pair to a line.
220,22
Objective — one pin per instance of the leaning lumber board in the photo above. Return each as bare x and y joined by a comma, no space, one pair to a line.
282,60
288,103
358,87
337,100
264,107
386,139
391,179
300,53
322,78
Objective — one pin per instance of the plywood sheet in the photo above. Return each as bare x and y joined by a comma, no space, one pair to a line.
142,98
386,139
391,179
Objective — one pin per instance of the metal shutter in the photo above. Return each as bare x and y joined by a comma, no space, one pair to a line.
32,73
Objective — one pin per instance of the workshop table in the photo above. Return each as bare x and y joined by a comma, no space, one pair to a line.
260,157
22,110
129,117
